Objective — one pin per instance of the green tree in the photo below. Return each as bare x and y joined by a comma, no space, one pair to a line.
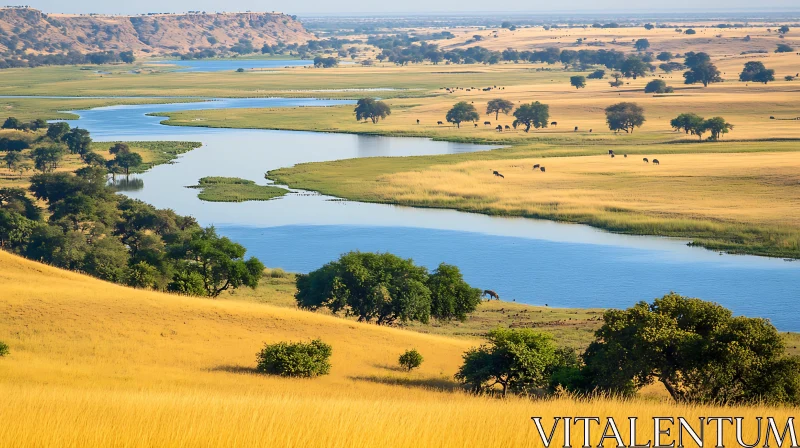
498,105
664,56
460,112
78,141
688,123
578,81
12,159
700,69
756,72
642,44
717,126
47,158
783,29
306,360
107,258
119,148
380,287
657,86
3,349
535,114
624,117
128,161
634,67
649,26
784,48
217,261
370,109
37,124
410,359
696,349
12,123
517,360
57,131
451,296
597,74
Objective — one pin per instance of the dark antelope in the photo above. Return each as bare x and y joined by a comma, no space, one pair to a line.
491,294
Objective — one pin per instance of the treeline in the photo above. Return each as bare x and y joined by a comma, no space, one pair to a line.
245,47
87,227
70,58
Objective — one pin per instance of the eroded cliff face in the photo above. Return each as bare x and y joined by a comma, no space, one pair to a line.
34,31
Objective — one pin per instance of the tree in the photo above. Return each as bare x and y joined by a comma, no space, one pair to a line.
12,159
498,105
12,123
3,349
127,57
370,109
696,349
688,123
642,44
617,79
717,126
128,160
756,72
47,158
37,124
649,26
624,117
451,296
657,86
460,112
577,81
325,62
94,159
664,56
57,131
535,114
633,67
690,31
597,74
217,261
305,360
119,148
410,359
783,29
78,141
518,360
784,48
380,287
700,69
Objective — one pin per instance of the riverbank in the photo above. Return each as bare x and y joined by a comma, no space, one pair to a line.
234,189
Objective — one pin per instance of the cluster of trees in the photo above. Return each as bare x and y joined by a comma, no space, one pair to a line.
87,227
70,58
386,289
371,109
658,86
696,125
697,350
756,72
325,62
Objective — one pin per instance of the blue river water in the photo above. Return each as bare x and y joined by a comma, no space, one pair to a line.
529,261
221,65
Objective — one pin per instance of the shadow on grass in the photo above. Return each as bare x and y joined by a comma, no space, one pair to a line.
241,370
437,384
390,367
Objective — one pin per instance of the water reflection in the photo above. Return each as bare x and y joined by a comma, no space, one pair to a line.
127,184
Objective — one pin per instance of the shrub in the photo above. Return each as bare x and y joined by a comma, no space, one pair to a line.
4,349
295,359
277,273
784,48
657,86
411,359
597,74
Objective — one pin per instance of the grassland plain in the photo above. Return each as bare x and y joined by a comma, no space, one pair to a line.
27,109
96,364
234,189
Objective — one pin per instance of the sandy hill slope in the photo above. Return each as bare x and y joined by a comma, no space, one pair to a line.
94,364
154,34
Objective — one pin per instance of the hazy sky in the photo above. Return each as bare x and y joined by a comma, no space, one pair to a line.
405,6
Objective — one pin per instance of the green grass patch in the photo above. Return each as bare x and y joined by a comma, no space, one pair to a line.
234,189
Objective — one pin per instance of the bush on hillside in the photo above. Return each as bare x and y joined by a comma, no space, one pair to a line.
3,349
295,359
411,359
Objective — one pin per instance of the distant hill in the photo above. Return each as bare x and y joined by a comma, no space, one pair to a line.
32,31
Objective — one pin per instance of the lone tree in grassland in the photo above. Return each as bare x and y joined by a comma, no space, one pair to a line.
370,109
657,86
642,44
649,26
717,127
754,71
597,74
127,161
535,115
460,112
624,117
696,349
688,123
700,69
498,105
411,359
633,67
664,56
617,79
784,48
299,359
783,29
577,81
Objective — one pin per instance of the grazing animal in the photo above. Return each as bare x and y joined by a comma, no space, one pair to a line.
536,166
496,173
655,161
771,117
487,123
645,160
476,125
439,123
508,127
554,123
612,156
625,155
611,151
491,294
417,121
541,169
576,129
499,128
590,131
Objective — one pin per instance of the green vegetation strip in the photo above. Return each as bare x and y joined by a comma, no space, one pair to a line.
234,189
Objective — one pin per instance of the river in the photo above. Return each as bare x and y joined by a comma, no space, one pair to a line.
529,261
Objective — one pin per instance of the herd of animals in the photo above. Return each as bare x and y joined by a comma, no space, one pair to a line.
610,152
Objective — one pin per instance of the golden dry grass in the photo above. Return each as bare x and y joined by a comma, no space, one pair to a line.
95,364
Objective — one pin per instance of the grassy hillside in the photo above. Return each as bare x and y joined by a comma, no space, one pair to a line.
95,364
